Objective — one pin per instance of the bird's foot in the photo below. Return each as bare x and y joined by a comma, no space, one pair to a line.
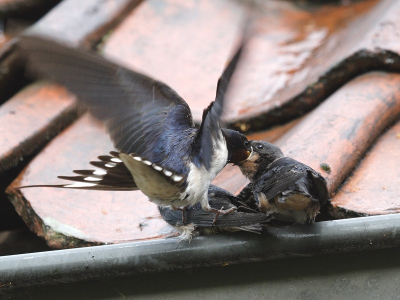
221,211
183,210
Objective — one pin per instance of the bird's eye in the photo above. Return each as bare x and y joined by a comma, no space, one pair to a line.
259,146
246,143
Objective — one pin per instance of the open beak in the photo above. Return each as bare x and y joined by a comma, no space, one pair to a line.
249,153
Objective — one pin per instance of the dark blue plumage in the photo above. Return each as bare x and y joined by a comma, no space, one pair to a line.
166,156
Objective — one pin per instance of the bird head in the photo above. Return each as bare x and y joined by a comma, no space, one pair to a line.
267,152
263,154
239,148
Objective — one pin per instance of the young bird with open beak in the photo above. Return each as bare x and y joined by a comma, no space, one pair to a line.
161,152
292,191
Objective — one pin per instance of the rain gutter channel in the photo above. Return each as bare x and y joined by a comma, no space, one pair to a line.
73,265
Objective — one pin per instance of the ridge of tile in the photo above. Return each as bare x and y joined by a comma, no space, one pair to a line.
373,188
339,131
32,117
364,42
343,128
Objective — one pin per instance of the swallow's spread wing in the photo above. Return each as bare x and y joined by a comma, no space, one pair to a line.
210,128
135,108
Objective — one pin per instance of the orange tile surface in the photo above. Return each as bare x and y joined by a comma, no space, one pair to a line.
341,129
81,217
30,119
184,43
374,187
79,22
40,113
298,56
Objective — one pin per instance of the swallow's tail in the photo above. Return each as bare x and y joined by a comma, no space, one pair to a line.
112,175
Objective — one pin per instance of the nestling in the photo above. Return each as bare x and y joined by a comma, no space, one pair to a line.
289,189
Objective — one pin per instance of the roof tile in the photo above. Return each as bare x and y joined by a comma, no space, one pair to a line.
298,57
73,218
374,187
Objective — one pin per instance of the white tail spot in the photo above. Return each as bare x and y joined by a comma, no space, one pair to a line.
176,178
80,184
167,173
147,162
117,160
158,168
137,158
110,165
91,178
99,172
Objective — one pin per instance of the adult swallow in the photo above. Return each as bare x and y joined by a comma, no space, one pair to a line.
161,152
289,189
243,219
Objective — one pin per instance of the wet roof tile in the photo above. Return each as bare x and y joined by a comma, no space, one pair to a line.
185,44
298,56
81,22
73,218
33,117
73,23
344,126
374,187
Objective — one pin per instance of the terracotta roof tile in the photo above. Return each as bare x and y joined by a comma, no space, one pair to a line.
83,22
340,130
77,24
33,117
374,187
73,218
184,44
298,57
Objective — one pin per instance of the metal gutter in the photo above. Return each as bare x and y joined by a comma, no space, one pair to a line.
78,264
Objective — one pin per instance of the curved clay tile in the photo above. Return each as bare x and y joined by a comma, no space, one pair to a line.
298,57
73,218
374,187
77,24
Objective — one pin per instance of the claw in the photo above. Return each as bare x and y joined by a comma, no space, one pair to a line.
221,212
183,210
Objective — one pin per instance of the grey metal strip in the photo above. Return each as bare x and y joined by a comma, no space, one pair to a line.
159,255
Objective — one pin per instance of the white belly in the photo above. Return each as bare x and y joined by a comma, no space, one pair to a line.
199,180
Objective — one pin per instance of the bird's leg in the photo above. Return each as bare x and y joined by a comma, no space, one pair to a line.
221,212
183,210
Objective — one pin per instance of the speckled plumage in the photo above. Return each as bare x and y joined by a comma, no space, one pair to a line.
289,189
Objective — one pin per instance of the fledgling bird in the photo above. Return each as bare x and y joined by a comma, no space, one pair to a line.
289,189
199,221
161,152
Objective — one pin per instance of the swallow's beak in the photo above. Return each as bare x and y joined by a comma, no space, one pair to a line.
249,153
